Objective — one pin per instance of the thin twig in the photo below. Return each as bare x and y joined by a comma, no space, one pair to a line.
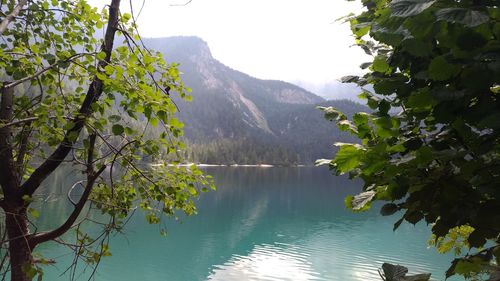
185,4
17,122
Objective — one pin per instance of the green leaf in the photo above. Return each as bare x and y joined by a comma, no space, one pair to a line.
114,118
360,118
420,101
467,17
347,126
117,129
380,65
332,113
389,209
424,156
109,69
348,157
126,17
152,218
476,239
101,56
470,40
153,121
361,201
174,122
192,190
464,267
440,69
27,199
34,213
407,8
417,47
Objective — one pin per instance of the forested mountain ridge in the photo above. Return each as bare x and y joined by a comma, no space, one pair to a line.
236,118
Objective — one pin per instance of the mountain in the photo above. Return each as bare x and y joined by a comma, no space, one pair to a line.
236,118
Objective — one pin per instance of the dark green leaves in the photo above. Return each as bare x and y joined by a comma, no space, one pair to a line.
436,63
417,48
117,129
467,17
394,272
440,69
406,8
389,209
421,100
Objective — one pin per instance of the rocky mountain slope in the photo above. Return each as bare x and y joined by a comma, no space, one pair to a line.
236,118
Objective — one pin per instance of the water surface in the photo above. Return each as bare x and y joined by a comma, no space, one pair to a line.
265,224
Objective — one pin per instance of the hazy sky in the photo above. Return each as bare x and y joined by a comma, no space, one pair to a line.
291,40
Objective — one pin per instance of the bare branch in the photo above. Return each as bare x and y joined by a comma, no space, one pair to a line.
51,235
12,16
118,152
185,4
17,122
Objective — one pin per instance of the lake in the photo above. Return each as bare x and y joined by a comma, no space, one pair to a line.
262,224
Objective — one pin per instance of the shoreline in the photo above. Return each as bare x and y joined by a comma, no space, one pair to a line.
203,165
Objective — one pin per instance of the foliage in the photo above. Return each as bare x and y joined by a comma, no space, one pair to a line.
70,96
455,240
438,159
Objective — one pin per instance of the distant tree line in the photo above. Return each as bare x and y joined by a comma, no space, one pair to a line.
240,151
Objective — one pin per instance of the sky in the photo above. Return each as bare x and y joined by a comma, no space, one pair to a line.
289,40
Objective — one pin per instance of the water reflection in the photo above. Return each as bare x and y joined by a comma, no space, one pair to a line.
266,262
265,224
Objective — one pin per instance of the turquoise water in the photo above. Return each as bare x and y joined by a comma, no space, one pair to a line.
264,224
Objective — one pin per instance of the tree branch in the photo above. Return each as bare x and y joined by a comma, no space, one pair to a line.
51,235
12,16
23,149
8,174
45,69
90,154
17,122
93,94
185,4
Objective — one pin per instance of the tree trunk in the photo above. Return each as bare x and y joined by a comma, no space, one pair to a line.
20,251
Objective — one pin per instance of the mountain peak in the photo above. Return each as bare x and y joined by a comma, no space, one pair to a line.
178,46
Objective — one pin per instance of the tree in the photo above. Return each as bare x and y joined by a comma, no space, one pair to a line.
72,99
431,145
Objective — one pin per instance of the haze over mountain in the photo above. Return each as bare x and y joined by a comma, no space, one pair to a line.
333,90
236,118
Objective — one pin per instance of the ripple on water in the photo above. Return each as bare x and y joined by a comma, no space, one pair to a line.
267,262
323,255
